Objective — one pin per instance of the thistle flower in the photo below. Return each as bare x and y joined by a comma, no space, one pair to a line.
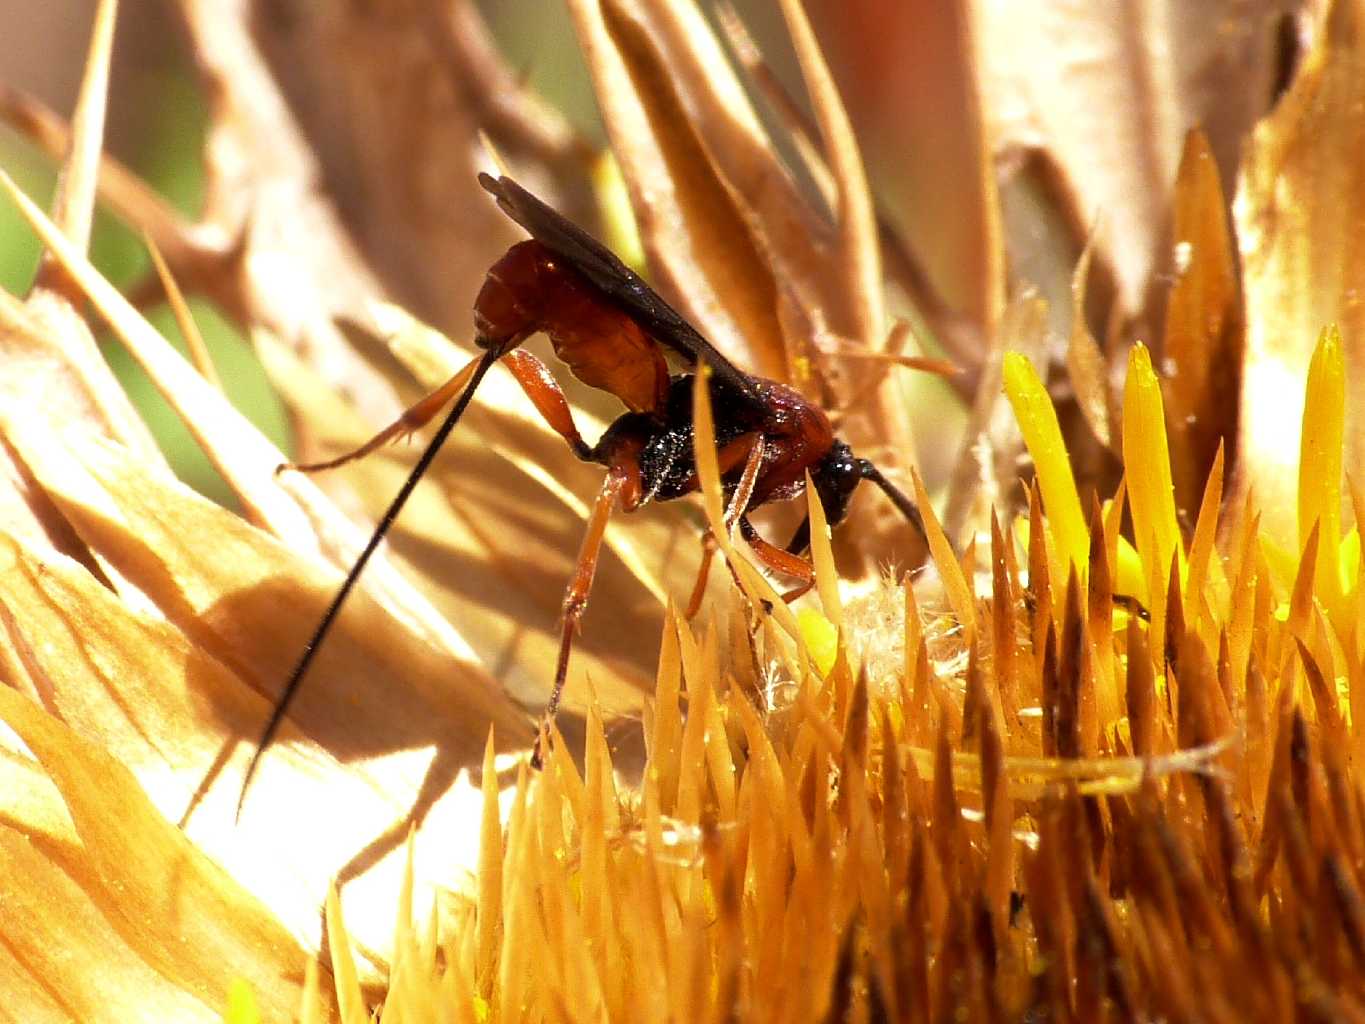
1100,762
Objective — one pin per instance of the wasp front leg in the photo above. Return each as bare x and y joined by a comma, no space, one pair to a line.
546,395
778,560
739,501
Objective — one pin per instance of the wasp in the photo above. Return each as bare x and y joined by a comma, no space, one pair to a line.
614,333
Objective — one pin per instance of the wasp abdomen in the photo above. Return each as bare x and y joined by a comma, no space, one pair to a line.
530,289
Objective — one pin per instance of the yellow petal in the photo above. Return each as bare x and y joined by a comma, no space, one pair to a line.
821,638
1147,466
1324,430
955,583
822,557
241,1007
757,589
1038,423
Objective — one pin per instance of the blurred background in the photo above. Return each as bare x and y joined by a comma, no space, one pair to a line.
156,124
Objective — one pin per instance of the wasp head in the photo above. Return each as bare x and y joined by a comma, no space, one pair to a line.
836,476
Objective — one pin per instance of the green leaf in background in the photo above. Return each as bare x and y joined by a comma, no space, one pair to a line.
166,152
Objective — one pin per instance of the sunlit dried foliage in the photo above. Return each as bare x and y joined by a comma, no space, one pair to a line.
1099,759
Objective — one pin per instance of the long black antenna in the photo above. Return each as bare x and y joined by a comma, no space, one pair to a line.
898,498
310,649
867,471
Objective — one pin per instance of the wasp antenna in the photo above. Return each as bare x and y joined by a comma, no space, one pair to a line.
800,539
898,497
386,522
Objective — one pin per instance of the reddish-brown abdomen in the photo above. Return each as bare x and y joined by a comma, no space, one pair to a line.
531,290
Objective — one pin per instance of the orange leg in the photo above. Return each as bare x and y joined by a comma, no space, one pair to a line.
544,392
533,376
412,420
708,552
576,595
739,501
778,560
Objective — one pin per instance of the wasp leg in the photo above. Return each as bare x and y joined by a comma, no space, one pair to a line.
576,596
774,558
708,552
413,419
739,501
545,394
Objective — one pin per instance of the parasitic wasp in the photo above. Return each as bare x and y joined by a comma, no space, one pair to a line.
611,329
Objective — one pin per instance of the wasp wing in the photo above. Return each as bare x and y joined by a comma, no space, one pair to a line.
614,279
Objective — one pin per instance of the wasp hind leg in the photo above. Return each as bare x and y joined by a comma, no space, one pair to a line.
413,419
576,599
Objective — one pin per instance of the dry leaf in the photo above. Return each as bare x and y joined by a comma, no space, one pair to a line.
402,719
654,70
1203,349
1085,361
143,919
909,77
36,367
1107,93
391,100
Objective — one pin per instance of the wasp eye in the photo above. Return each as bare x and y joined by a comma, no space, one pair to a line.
836,476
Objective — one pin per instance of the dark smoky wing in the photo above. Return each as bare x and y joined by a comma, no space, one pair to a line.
614,279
